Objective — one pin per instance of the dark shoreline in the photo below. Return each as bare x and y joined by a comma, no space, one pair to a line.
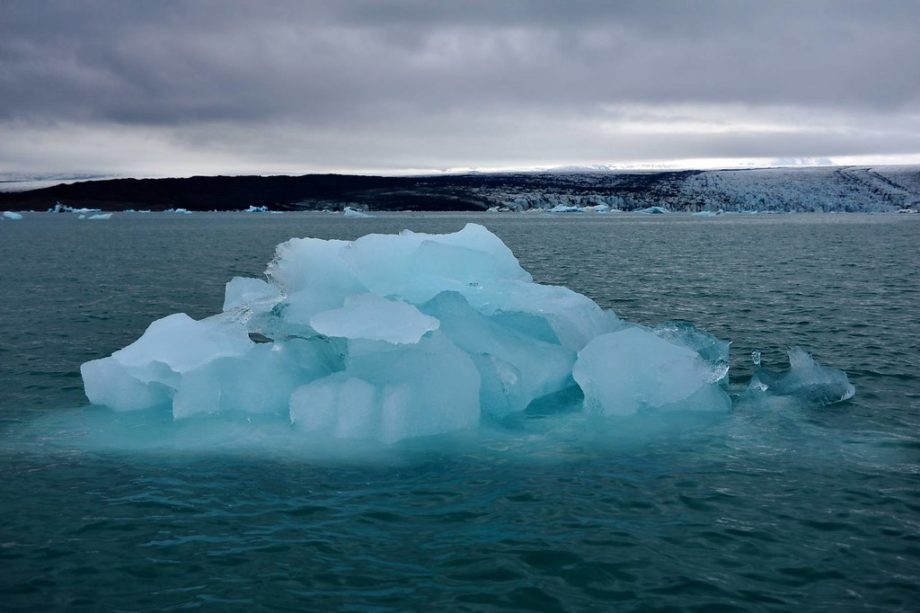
855,189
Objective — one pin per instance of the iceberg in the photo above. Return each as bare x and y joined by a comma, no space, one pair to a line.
396,336
63,208
100,217
12,216
353,212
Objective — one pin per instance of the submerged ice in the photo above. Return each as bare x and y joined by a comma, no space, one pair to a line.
805,379
397,336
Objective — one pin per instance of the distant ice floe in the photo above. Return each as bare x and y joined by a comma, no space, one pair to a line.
12,216
100,217
179,211
601,208
353,212
390,337
566,208
708,213
572,208
654,210
256,209
63,208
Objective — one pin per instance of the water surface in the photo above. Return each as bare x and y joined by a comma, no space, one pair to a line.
767,508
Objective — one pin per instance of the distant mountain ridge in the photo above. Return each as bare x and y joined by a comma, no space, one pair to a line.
841,188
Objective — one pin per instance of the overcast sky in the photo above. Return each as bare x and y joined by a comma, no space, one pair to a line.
120,87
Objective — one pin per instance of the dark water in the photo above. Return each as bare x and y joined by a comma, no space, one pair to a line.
768,508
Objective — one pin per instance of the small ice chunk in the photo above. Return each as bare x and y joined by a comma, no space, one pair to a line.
633,369
256,209
12,216
371,317
805,379
100,217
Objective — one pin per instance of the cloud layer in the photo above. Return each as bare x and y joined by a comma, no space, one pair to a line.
202,87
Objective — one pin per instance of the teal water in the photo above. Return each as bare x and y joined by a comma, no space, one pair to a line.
768,508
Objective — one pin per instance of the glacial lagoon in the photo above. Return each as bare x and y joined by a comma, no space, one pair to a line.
773,503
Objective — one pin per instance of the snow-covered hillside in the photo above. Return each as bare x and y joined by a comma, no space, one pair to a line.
867,189
803,189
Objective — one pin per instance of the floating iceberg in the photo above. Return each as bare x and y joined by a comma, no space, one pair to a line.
63,208
256,209
12,216
397,336
353,212
806,380
100,217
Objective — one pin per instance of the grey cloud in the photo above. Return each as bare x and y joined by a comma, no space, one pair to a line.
340,67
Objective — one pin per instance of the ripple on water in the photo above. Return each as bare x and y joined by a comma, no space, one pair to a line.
768,508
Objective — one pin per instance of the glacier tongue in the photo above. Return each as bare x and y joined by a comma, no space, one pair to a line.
398,336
